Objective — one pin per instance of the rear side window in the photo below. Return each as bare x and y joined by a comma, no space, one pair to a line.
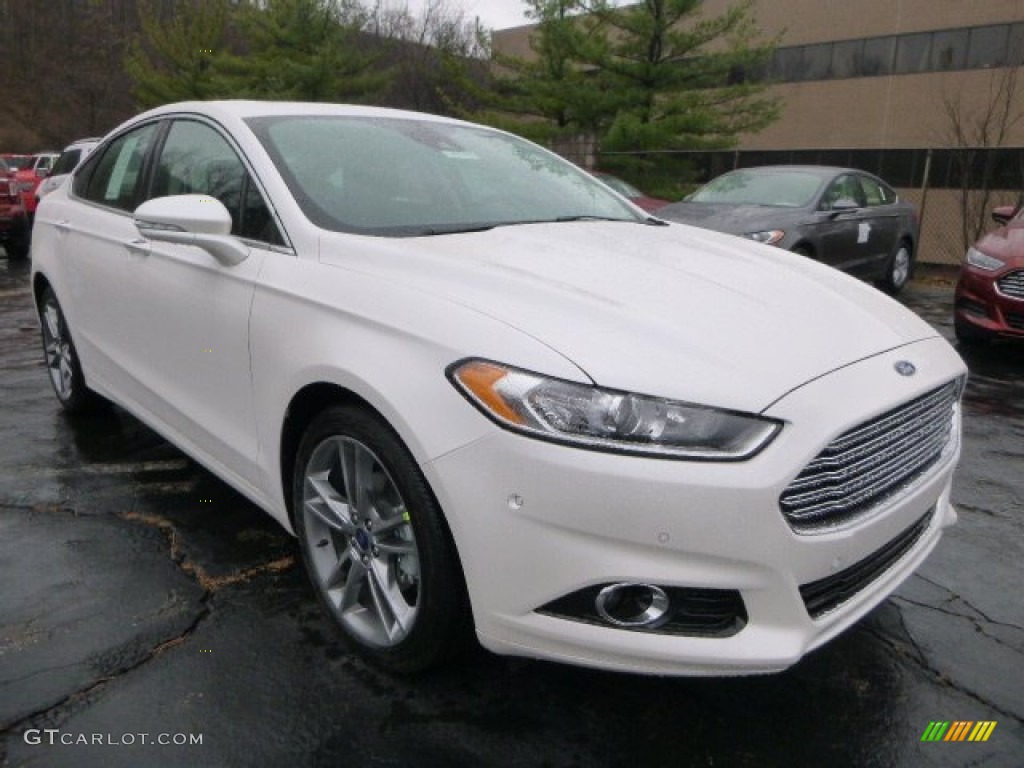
876,193
115,178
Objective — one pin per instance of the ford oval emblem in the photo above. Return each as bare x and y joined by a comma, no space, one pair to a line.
905,368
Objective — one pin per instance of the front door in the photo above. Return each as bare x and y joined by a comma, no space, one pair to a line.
197,309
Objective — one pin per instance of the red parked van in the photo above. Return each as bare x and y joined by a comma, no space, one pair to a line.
14,226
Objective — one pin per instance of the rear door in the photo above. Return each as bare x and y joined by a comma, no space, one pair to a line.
882,215
98,239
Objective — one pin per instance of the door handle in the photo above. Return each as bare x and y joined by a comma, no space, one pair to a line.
63,226
138,246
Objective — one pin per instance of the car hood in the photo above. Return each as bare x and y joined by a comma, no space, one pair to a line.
734,219
671,311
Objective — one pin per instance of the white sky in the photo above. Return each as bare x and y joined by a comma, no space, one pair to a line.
494,14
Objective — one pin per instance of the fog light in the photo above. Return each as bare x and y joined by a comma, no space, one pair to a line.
632,605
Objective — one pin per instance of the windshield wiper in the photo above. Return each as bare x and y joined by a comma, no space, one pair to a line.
455,230
589,217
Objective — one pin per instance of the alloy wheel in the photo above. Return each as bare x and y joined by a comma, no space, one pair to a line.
900,271
362,550
59,353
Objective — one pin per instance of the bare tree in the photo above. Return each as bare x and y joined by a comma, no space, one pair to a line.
434,53
975,128
62,75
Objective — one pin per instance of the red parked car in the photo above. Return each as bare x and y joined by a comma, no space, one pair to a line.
14,226
990,292
16,163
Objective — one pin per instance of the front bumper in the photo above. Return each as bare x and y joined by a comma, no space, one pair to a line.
534,522
982,309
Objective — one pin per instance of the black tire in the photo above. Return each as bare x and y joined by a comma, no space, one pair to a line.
18,249
345,557
61,357
898,270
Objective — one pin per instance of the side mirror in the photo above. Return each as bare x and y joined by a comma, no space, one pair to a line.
198,220
1003,214
844,205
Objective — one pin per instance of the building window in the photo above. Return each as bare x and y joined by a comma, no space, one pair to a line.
848,58
878,56
1015,49
787,64
817,62
987,47
949,50
912,53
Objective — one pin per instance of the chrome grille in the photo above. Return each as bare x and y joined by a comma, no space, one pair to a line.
1012,284
863,467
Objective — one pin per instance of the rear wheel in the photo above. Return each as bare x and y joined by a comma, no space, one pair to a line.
17,249
375,544
898,271
62,358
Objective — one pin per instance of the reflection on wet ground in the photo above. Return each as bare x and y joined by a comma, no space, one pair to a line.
142,595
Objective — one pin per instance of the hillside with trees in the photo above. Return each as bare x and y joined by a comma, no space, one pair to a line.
76,68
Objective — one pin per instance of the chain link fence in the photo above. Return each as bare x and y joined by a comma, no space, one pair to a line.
942,184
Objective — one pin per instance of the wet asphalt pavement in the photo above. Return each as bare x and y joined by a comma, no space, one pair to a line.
143,596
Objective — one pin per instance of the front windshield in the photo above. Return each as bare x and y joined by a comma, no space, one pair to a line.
19,163
403,177
67,161
788,189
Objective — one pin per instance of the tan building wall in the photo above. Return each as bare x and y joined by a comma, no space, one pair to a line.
815,21
896,111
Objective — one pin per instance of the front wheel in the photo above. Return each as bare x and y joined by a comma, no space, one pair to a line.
897,273
375,544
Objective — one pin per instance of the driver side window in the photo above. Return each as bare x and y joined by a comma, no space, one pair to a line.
845,187
196,160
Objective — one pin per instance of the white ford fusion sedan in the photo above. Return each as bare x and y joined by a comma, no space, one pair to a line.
488,394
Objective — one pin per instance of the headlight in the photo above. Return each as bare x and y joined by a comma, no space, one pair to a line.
606,420
768,237
983,261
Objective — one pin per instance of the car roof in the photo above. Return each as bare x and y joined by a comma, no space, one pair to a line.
247,108
824,171
80,142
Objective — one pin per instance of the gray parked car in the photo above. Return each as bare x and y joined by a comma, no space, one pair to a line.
843,217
